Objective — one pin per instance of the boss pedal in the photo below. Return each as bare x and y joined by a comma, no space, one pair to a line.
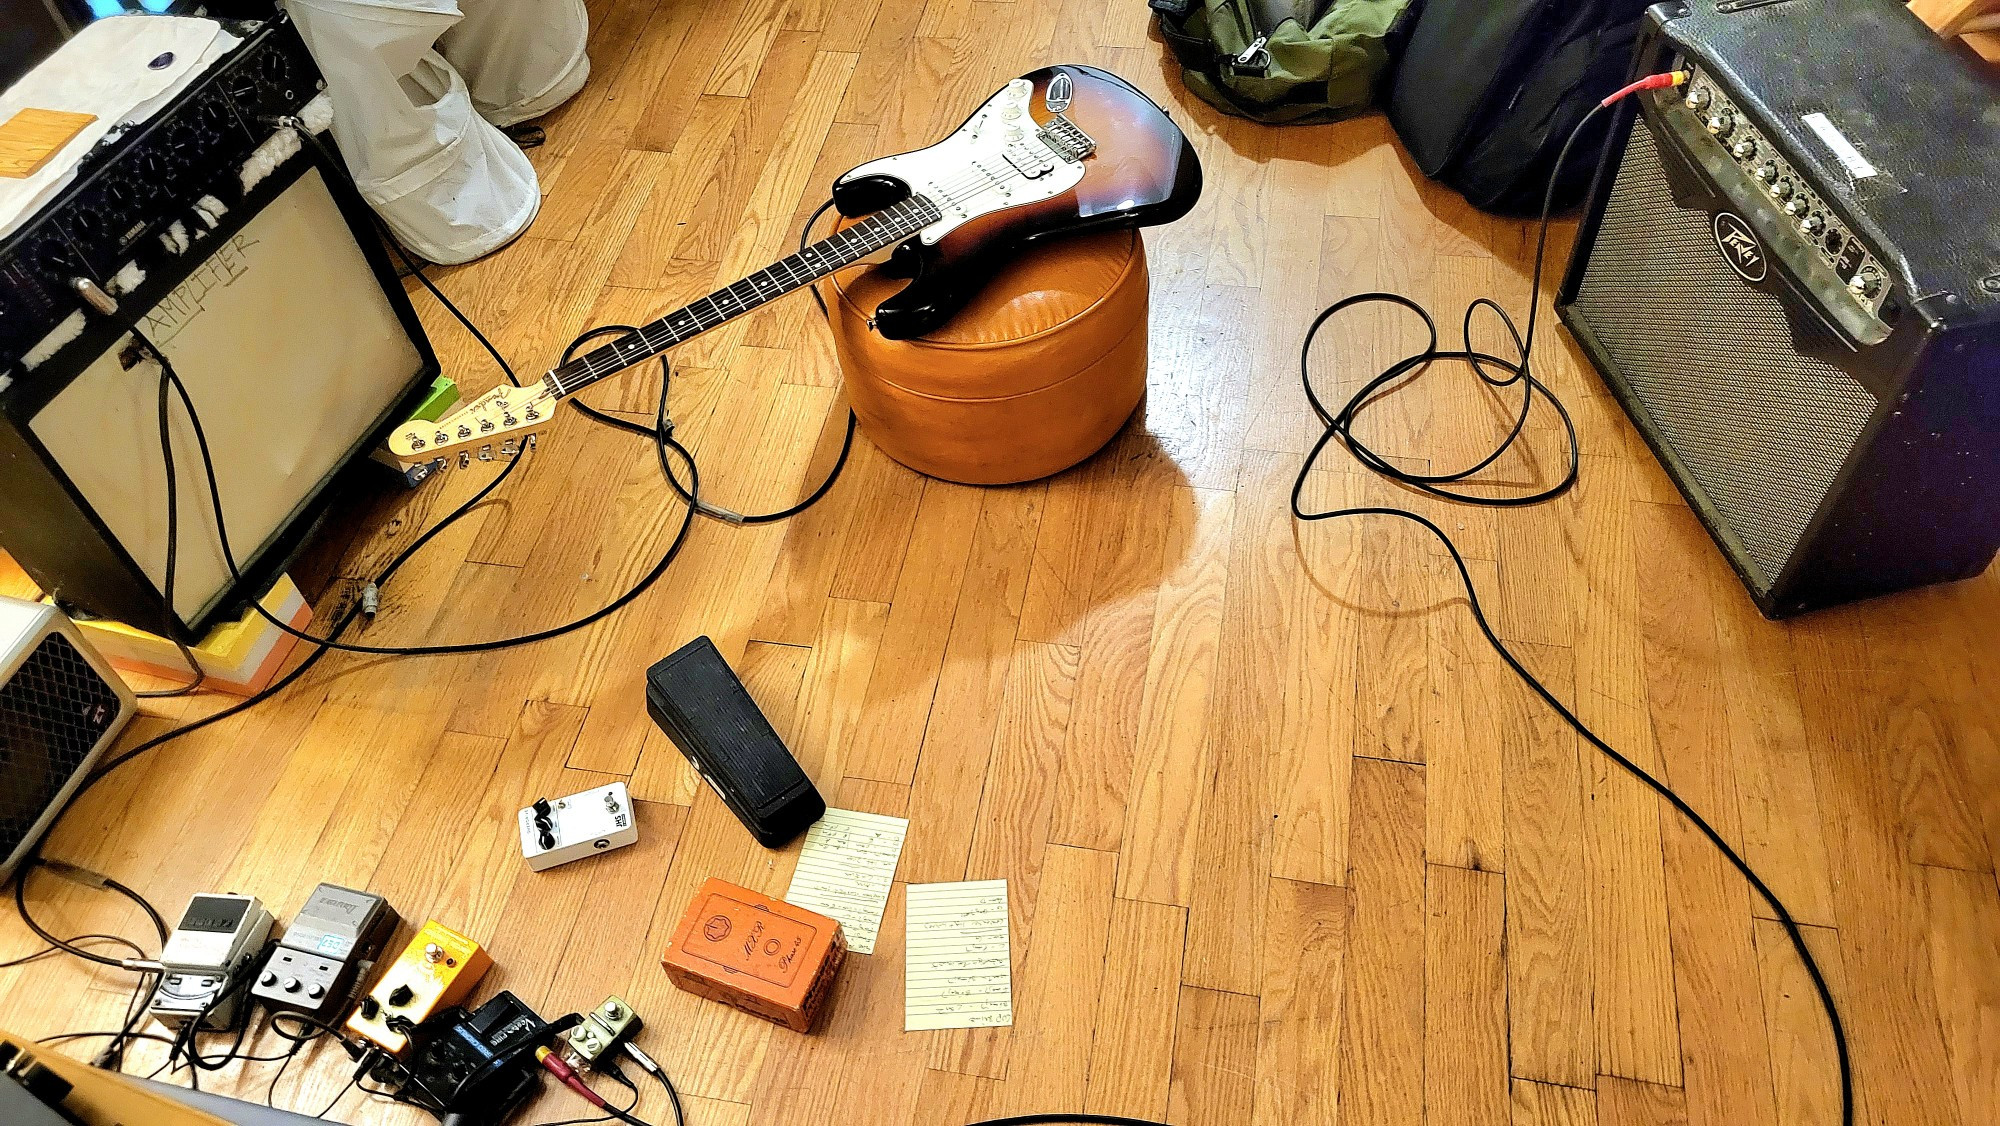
326,952
217,940
580,825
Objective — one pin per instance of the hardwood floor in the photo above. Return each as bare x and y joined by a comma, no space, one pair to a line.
1286,843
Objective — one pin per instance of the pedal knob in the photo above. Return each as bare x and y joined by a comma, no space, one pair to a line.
401,995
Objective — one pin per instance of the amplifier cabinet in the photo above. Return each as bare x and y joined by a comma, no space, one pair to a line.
60,707
1789,276
247,256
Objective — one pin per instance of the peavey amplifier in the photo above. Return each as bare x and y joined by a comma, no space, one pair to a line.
60,706
1789,274
250,260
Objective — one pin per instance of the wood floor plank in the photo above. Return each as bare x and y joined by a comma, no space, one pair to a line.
1299,1010
1382,1064
1630,1102
1549,1104
1550,987
1171,767
1465,996
1131,1063
966,711
1055,998
1964,944
1215,1057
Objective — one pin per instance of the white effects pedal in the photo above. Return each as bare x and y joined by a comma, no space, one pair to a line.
557,831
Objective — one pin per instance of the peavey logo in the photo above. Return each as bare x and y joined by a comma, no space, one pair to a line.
1740,247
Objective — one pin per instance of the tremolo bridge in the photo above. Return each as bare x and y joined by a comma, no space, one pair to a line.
1068,141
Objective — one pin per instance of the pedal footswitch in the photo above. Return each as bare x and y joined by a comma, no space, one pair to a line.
326,952
217,941
565,829
437,970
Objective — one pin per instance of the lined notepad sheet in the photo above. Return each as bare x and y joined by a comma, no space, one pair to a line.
845,870
959,974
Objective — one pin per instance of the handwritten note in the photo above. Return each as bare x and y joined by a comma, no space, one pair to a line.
959,974
845,870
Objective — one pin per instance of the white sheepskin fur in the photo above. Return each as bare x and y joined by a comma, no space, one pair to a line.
71,327
128,279
210,211
269,157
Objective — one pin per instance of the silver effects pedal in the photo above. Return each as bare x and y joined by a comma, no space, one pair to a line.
565,829
326,953
217,940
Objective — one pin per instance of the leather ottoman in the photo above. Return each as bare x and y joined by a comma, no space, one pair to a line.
1034,375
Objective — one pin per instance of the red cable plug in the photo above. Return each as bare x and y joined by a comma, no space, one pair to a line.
1650,82
554,1065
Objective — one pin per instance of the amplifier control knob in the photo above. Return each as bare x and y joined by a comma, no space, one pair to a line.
1743,149
1781,190
1796,206
1811,226
1767,171
1697,98
1864,285
1720,124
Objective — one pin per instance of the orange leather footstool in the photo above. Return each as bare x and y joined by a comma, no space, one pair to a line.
1035,374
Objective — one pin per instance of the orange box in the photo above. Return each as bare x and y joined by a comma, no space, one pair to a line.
759,954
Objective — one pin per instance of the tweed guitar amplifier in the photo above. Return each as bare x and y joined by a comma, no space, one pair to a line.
1789,274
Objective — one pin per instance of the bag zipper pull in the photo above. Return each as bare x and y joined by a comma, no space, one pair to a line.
1250,53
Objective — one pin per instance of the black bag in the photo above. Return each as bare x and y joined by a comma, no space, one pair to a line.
1488,91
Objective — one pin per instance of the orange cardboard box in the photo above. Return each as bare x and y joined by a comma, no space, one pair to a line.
759,954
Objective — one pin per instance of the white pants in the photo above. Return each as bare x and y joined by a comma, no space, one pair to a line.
418,88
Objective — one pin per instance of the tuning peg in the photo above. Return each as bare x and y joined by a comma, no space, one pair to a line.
464,431
437,465
485,426
509,448
486,452
418,472
531,441
464,458
532,413
415,440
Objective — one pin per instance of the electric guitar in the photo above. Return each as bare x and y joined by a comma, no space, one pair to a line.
1063,150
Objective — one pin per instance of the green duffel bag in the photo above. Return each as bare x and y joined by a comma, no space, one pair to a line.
1284,61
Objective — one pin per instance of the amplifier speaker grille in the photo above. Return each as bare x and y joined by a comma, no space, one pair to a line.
53,710
1714,365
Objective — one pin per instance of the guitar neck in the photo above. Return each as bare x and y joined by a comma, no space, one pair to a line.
837,251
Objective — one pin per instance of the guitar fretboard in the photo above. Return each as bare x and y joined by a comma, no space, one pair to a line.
844,248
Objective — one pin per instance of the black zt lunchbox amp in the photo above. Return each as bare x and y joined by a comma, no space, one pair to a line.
1789,275
240,248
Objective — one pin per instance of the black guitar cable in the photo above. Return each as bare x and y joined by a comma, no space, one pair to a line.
1338,428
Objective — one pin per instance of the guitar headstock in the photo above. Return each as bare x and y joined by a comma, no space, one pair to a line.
499,424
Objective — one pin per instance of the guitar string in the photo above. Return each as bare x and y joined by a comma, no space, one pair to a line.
956,193
973,182
616,353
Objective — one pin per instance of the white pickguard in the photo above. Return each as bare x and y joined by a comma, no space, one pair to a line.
973,173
